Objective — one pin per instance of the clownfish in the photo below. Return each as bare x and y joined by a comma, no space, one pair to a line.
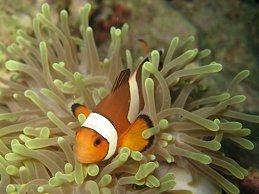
117,121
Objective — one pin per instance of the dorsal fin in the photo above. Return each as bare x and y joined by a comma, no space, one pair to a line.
121,79
144,45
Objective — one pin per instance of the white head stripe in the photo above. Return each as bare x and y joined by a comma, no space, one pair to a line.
134,99
105,128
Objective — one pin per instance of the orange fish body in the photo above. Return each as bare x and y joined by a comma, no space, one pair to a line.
115,122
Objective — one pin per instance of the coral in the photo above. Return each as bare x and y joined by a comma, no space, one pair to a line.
251,181
52,69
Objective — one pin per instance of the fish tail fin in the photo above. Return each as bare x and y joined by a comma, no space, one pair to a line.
133,138
80,109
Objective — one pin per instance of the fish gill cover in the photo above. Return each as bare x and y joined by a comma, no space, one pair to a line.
53,68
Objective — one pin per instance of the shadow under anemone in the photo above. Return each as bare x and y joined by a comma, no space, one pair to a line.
53,69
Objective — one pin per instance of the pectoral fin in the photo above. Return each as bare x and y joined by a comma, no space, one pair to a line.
80,109
133,139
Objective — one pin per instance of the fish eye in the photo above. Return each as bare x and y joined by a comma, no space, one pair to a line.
97,141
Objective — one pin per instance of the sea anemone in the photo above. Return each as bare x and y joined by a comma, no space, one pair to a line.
53,68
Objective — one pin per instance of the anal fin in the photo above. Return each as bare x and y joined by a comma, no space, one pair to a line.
133,139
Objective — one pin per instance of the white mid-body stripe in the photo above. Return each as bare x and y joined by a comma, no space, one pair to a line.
134,98
105,128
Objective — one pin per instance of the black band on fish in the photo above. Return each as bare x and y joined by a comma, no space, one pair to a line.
147,119
149,122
